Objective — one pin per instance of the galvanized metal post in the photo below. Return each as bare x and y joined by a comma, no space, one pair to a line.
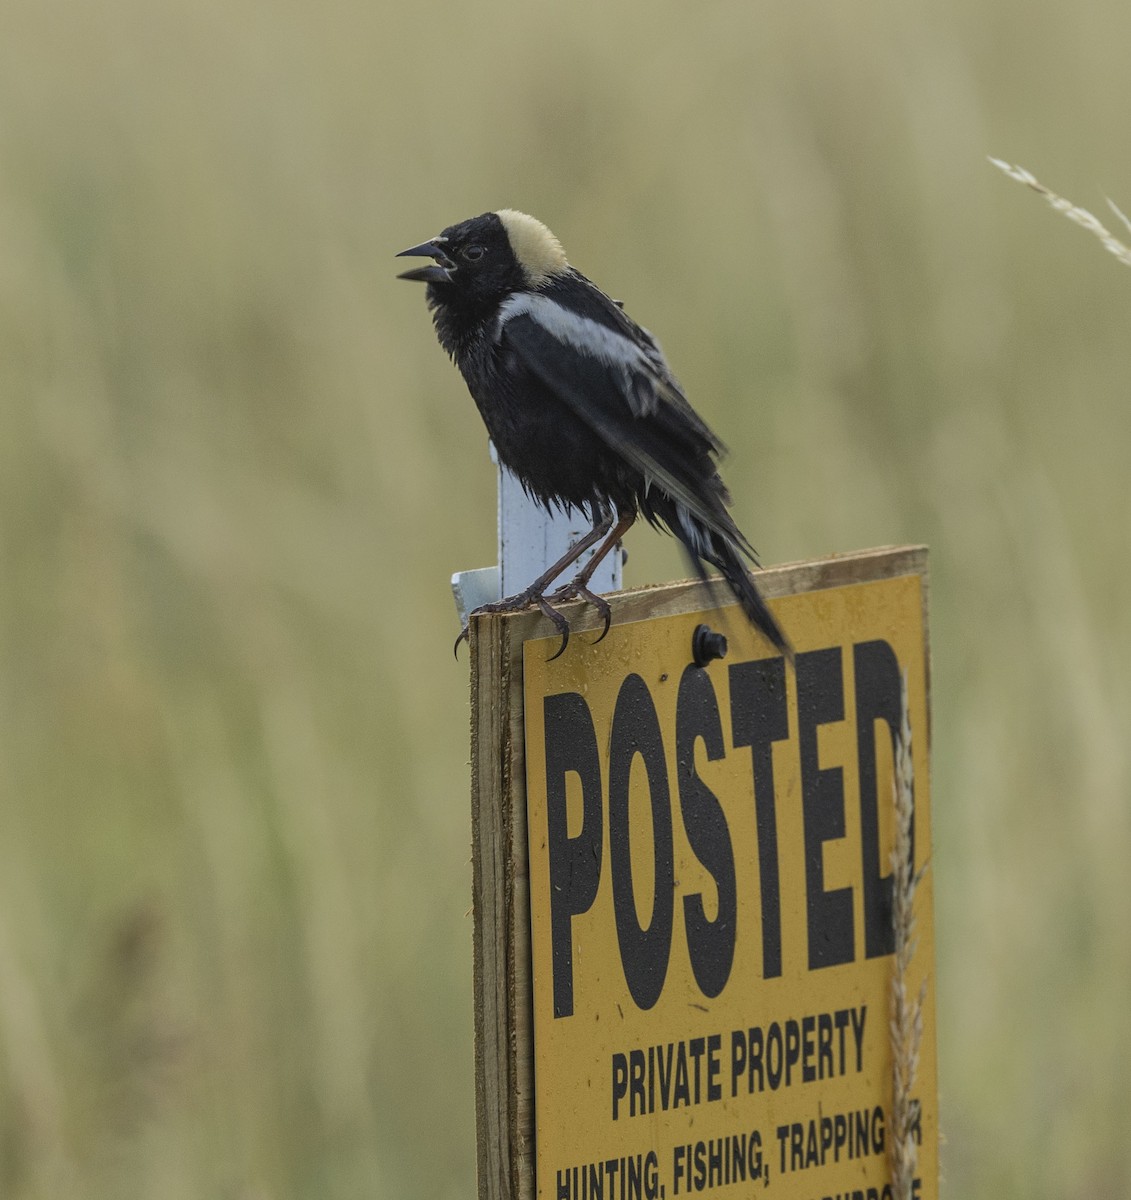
530,539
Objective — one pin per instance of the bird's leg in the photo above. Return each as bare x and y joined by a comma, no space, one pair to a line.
578,586
536,592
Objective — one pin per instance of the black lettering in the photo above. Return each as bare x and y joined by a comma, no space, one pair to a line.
575,863
879,686
774,1056
714,1163
635,1082
808,1071
826,1138
840,1020
644,952
620,1081
757,1046
695,1048
812,1154
664,1061
714,1065
796,1146
792,1048
710,944
682,1091
840,1134
651,1176
858,1032
679,1166
738,1050
824,1046
759,717
820,701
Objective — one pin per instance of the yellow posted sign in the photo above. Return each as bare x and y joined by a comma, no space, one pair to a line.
710,895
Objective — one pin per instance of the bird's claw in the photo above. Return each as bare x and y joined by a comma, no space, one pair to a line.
578,591
559,622
516,604
575,590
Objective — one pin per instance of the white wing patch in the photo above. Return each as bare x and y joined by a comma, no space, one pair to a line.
591,338
634,364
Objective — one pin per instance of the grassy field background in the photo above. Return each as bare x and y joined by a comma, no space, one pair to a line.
236,473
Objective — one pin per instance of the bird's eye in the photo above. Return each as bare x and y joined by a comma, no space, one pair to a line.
473,253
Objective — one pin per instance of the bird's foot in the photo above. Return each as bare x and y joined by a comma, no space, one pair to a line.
576,590
517,603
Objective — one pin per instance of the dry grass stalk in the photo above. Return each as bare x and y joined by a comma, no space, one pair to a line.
1080,215
906,1014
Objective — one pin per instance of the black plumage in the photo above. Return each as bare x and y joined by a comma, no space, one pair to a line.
580,404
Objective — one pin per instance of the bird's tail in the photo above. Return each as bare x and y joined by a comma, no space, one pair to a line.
720,543
723,553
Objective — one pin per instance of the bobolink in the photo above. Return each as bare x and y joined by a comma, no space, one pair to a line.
580,404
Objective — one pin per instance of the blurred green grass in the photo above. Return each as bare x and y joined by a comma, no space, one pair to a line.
236,473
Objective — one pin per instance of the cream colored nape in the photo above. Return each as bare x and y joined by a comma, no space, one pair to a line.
539,253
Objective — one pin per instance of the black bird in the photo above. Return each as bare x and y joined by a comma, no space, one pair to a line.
580,404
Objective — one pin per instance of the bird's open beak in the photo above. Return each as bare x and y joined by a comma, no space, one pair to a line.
440,272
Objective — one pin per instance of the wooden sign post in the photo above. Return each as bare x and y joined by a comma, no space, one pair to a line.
703,939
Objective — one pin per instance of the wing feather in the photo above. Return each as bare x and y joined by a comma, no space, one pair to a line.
626,395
